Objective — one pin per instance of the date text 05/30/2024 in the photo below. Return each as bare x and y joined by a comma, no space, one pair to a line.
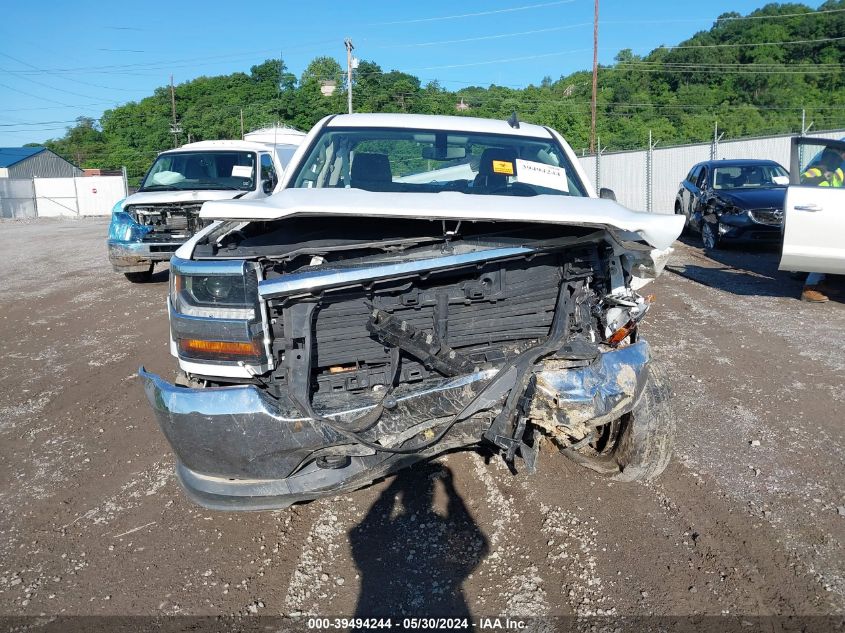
415,623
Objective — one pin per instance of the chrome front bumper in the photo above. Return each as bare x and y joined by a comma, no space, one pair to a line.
128,257
238,448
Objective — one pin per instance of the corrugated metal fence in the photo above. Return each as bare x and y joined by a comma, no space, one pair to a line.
648,181
17,198
52,197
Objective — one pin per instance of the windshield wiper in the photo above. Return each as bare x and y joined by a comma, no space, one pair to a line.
217,185
160,188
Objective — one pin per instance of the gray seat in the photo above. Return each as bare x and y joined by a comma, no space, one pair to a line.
371,172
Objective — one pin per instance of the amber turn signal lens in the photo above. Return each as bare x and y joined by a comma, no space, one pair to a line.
619,335
220,350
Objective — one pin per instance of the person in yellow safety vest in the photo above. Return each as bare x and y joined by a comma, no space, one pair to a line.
826,172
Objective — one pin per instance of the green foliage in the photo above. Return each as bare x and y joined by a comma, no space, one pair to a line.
678,93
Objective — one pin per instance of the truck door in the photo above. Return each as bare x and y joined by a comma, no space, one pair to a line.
814,209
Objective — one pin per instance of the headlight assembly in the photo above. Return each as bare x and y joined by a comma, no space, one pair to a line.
215,312
123,228
224,292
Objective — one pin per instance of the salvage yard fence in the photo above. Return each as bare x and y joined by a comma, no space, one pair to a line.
648,179
60,197
643,180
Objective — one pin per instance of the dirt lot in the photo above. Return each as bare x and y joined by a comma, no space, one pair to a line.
748,519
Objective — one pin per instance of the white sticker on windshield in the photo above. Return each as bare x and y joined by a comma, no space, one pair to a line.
542,175
241,171
780,180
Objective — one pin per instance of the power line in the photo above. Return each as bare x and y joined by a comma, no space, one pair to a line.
745,45
29,94
504,60
474,15
730,71
79,81
765,65
41,83
35,123
781,15
171,63
737,18
484,37
56,107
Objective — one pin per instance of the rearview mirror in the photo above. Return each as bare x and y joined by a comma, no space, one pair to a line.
607,194
433,152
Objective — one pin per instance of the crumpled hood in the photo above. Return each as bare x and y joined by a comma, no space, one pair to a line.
657,230
764,198
171,197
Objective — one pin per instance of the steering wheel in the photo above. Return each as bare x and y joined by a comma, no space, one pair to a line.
514,189
456,185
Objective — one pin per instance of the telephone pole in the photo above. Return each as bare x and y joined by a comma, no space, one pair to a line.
595,77
175,129
242,123
349,48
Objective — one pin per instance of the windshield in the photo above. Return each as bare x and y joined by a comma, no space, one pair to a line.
749,176
391,160
201,170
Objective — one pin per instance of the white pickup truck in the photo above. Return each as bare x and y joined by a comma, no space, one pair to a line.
418,284
148,226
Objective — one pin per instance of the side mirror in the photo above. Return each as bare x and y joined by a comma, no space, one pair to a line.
607,194
268,185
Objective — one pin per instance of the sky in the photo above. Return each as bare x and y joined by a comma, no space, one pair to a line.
61,60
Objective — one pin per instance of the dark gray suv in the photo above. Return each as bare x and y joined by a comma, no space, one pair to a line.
734,201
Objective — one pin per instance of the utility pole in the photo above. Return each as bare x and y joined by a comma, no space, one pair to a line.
175,130
349,48
595,77
598,167
242,123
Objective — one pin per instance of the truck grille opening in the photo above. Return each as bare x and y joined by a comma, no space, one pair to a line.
169,221
485,314
770,217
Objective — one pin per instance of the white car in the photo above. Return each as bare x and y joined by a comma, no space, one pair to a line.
814,211
419,284
148,226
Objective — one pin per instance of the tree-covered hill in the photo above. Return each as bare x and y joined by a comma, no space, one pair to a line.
753,76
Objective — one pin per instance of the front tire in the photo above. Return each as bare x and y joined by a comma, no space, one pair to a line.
142,277
709,239
637,446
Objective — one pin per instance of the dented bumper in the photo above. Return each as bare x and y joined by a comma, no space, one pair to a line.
238,448
127,257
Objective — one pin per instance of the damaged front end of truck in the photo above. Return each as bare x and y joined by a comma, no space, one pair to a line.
322,350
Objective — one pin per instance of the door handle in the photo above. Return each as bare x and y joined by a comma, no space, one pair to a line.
808,207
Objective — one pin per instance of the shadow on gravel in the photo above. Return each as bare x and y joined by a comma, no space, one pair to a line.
160,276
744,270
415,547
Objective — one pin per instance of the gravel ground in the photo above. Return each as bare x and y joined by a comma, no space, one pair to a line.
749,518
